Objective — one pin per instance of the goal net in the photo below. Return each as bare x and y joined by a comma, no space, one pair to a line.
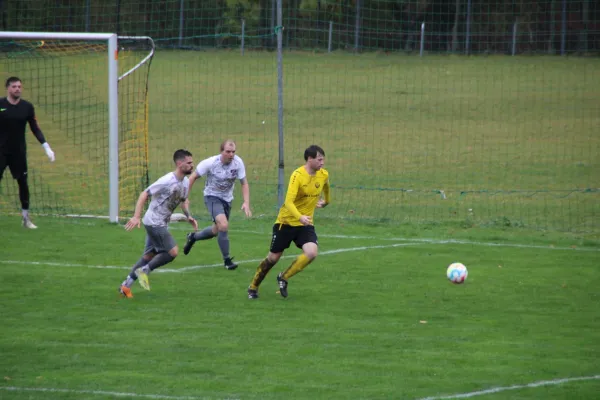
69,83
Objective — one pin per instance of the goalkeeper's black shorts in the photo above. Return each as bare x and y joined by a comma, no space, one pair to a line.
16,162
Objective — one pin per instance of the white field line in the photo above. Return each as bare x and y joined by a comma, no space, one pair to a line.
195,267
551,382
430,241
100,393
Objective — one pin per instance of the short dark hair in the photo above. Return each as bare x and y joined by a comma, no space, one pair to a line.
312,151
12,80
180,155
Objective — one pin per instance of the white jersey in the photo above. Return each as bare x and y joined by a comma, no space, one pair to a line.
167,193
220,177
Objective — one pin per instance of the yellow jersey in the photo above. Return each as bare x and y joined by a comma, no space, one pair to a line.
304,191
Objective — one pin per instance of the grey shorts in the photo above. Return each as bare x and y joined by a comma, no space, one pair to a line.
216,206
158,239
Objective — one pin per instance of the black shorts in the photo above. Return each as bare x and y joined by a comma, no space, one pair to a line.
284,235
16,162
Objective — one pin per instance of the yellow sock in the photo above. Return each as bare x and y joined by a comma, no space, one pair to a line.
263,269
298,265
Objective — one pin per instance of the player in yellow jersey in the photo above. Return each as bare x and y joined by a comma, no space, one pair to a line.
308,189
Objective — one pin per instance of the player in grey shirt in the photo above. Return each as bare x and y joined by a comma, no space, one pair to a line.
167,193
221,172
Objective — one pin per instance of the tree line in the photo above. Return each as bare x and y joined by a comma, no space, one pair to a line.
477,26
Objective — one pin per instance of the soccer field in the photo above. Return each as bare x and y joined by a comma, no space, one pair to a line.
374,317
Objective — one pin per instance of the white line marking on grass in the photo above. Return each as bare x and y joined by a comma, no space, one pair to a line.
55,264
407,242
194,267
514,387
99,393
489,244
322,253
436,241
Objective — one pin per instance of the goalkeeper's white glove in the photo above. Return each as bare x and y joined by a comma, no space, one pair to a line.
49,151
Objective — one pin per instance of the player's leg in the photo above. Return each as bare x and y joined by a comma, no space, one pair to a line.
207,233
308,242
280,240
148,254
3,164
219,210
221,217
222,224
166,251
18,168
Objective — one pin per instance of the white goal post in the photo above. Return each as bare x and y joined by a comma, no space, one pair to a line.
111,39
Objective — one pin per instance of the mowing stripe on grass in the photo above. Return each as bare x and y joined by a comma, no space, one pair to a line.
514,387
434,241
194,267
100,393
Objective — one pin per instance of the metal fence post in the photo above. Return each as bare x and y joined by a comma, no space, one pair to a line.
552,27
330,35
181,12
422,39
468,33
583,36
243,33
87,15
281,164
563,29
357,26
514,37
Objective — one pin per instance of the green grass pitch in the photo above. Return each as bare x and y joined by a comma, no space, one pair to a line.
374,317
512,142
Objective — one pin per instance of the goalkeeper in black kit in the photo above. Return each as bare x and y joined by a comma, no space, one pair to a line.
15,113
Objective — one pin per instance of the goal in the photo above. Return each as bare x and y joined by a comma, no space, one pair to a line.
90,93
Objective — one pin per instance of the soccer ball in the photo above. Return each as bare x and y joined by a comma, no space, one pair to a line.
457,272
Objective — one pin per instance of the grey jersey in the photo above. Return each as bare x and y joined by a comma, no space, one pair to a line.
220,178
167,193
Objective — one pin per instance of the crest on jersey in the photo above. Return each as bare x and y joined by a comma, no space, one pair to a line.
317,185
233,172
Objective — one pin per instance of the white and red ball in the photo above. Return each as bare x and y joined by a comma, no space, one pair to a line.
457,272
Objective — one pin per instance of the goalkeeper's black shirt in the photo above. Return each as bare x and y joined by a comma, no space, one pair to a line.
13,120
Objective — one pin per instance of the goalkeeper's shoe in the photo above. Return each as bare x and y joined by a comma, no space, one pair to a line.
282,285
125,292
189,243
229,264
252,294
142,278
28,224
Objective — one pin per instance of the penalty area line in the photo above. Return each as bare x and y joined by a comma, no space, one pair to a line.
552,382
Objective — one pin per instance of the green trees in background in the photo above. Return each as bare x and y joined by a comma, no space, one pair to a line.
489,25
